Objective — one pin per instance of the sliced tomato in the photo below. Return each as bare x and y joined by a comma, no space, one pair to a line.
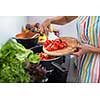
54,47
55,44
61,46
47,42
65,44
58,40
49,47
44,56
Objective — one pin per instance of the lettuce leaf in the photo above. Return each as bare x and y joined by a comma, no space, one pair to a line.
12,58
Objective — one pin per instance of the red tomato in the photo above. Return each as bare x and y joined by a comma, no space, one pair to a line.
46,57
42,57
65,44
54,47
55,44
58,41
47,42
49,47
61,46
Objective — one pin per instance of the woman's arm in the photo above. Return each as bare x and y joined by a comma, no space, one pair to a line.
83,49
60,20
95,50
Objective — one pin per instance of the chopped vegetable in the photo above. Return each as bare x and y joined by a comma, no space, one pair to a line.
56,44
44,56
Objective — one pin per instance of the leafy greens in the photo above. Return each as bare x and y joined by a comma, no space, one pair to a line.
12,62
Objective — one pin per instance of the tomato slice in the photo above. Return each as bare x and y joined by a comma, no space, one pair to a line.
61,46
58,41
49,47
65,44
44,56
54,47
47,42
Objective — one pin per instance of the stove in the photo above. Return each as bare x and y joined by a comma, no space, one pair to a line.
57,70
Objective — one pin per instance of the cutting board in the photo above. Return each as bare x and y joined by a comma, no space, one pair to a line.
65,51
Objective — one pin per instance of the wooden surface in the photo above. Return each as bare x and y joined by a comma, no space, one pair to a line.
65,51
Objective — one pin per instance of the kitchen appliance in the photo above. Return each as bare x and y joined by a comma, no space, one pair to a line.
56,72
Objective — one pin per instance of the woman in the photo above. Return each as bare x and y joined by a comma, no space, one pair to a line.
88,28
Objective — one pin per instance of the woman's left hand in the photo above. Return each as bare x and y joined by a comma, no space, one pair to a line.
82,49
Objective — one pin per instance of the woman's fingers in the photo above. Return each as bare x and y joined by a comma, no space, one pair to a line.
42,28
78,46
78,51
45,26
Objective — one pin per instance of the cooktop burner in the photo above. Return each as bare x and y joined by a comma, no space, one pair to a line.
57,69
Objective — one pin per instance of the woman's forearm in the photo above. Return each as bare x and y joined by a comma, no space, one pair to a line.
92,49
95,50
61,20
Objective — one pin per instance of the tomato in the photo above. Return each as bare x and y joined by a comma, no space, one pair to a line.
58,41
49,47
54,47
61,46
65,44
47,42
44,56
56,44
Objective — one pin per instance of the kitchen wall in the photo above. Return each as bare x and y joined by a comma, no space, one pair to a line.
65,30
9,26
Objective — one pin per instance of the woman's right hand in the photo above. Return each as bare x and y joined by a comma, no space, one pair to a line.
45,26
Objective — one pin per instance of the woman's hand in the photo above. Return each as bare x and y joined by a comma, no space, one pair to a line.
83,49
60,20
45,26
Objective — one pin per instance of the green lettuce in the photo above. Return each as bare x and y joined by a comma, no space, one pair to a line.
13,57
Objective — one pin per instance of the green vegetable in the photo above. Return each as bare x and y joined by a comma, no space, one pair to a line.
13,57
